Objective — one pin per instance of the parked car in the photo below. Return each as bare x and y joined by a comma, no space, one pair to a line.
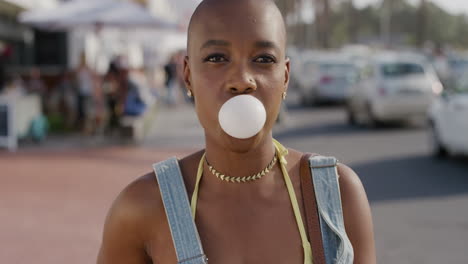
458,65
325,77
449,121
392,87
294,56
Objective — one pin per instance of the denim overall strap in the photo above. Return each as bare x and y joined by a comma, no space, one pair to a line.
174,195
336,244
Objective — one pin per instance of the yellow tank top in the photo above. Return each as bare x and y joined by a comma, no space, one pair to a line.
281,152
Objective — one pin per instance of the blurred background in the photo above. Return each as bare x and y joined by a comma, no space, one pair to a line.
91,95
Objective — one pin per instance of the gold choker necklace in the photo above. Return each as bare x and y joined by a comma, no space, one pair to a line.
245,178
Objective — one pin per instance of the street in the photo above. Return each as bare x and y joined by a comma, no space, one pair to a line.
54,201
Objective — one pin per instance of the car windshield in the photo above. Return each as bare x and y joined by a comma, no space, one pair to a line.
311,67
392,70
311,63
336,69
459,63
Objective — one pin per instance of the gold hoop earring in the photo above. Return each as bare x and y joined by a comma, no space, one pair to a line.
189,93
284,95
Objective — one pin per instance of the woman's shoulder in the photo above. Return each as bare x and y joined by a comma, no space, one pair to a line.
348,179
347,175
135,218
357,215
136,210
143,192
139,205
137,200
356,211
295,156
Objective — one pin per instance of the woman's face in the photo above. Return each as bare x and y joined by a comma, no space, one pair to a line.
235,51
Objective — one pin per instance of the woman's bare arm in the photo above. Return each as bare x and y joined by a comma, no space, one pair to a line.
123,238
357,216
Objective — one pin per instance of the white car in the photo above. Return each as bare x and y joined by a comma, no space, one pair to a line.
393,88
458,65
325,77
449,121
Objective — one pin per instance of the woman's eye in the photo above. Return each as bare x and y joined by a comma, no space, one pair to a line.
265,59
215,58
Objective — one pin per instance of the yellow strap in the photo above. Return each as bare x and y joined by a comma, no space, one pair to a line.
197,186
281,152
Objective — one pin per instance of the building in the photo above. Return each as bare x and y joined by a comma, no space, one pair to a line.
16,40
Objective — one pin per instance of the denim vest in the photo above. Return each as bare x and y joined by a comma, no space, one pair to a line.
337,247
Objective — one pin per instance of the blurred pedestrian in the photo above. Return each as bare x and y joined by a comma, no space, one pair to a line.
133,103
101,115
144,87
67,93
171,80
86,83
110,89
36,85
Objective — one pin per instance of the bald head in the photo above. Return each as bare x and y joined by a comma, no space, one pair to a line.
212,15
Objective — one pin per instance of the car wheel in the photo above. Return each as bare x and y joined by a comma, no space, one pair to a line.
437,148
371,121
304,100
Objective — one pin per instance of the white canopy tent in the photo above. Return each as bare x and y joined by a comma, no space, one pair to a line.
79,13
46,18
180,10
100,29
34,4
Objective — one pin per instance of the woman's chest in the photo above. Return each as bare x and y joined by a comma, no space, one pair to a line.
240,234
262,235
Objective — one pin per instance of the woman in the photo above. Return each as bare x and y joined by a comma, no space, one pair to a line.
234,48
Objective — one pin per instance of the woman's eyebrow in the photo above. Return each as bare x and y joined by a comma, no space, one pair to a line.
215,42
266,44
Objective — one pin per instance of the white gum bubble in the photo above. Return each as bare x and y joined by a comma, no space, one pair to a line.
242,116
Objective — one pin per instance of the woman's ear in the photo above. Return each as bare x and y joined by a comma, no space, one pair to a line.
187,77
286,73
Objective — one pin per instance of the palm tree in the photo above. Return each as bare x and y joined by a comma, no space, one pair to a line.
351,21
422,23
386,21
322,15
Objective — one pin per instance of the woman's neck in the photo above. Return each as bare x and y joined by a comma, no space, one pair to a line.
242,158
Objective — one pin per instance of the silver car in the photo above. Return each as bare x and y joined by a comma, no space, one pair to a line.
393,87
326,78
449,120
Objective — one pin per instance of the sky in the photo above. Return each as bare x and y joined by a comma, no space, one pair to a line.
453,6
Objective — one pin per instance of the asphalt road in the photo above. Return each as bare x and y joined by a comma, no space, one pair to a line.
54,200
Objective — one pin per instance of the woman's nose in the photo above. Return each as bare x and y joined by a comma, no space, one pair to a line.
241,81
